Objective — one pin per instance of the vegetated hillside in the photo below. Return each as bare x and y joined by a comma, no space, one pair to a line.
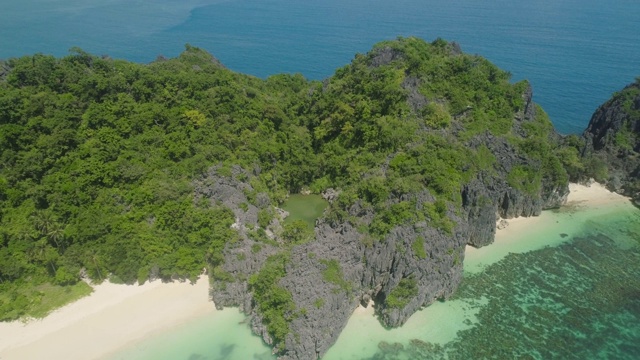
128,171
98,156
612,149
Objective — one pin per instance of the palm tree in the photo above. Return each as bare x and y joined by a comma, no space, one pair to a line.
43,220
40,252
55,233
37,251
25,234
94,257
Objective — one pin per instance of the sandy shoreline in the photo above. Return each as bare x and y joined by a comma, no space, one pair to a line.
592,196
440,322
111,318
580,196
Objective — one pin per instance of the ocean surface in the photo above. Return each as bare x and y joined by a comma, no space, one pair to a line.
575,53
573,292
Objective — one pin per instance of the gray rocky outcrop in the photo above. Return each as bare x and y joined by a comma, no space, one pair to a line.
369,268
4,70
364,267
612,142
247,255
489,196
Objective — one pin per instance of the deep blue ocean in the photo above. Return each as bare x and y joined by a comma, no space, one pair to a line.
574,53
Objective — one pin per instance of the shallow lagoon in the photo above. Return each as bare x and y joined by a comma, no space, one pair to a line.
220,335
304,207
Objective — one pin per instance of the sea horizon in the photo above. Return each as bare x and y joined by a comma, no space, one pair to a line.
574,54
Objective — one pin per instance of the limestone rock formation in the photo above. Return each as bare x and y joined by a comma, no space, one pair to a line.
612,147
319,282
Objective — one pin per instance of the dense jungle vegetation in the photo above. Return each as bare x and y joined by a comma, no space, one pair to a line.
97,155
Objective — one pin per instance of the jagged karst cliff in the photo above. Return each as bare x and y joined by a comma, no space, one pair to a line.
370,244
612,144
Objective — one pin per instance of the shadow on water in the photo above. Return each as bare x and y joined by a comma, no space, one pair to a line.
264,356
226,351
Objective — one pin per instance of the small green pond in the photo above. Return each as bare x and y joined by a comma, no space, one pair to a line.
304,207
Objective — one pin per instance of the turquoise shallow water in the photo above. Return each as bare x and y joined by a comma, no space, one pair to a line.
570,289
574,52
222,335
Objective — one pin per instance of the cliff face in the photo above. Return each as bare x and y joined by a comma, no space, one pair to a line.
371,271
397,234
489,196
613,142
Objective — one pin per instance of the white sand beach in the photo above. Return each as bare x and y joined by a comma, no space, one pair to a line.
111,318
592,196
508,239
440,322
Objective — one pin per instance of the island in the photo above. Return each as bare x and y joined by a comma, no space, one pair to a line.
126,172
